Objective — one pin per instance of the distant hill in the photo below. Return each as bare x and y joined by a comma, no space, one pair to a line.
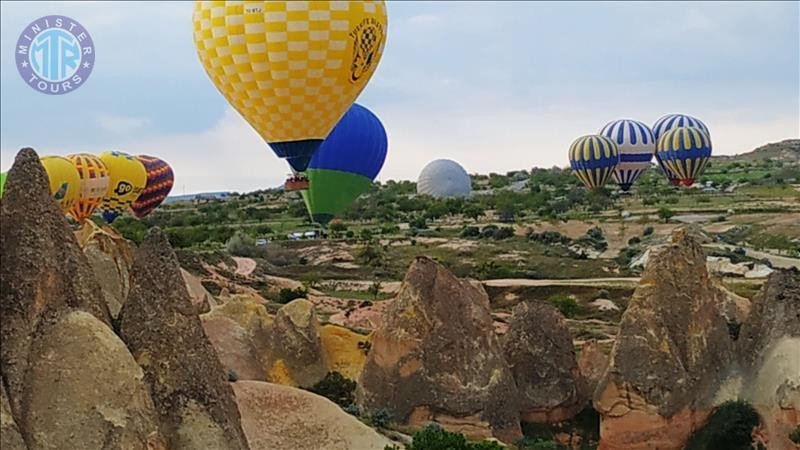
201,195
787,151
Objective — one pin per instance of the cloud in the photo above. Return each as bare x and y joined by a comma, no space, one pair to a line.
122,125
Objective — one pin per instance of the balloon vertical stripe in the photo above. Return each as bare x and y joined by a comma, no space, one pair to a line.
636,145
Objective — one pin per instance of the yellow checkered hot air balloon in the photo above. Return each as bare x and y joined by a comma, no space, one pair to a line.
65,183
127,179
291,68
593,159
684,153
94,184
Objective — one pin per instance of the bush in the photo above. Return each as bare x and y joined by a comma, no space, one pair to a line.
470,232
634,240
286,295
648,231
528,443
795,436
730,427
336,388
549,237
433,437
566,304
488,231
504,233
241,244
380,418
665,214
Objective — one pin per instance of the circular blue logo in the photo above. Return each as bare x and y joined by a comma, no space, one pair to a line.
55,55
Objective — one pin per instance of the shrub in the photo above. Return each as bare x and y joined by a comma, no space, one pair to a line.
504,233
730,427
470,232
336,388
566,304
665,214
488,231
648,231
549,237
634,240
795,436
241,244
380,418
528,443
433,437
286,295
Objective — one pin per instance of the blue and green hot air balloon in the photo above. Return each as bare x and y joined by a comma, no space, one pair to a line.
346,164
593,159
684,152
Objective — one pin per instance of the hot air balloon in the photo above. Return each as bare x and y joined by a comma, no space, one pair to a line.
291,69
159,182
684,151
636,145
593,158
345,164
65,183
127,179
94,184
443,178
671,121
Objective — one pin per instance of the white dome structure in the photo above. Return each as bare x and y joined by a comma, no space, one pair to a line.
444,178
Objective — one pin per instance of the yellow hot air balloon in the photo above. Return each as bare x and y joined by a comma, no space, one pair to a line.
94,184
291,68
127,179
65,183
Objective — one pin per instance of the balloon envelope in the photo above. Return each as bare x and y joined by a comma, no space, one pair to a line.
127,179
94,184
3,177
159,182
65,183
291,69
346,164
636,145
593,158
671,121
443,178
685,152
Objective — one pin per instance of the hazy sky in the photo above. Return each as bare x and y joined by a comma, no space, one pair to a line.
496,86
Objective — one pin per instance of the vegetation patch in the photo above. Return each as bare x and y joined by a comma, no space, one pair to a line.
730,427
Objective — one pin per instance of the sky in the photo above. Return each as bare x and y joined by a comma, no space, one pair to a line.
494,86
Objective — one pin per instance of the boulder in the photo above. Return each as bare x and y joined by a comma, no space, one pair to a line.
43,272
10,437
110,257
592,364
163,330
435,358
769,354
85,390
538,347
283,417
671,354
296,346
234,347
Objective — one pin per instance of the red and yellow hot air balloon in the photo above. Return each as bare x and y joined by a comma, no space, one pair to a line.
159,182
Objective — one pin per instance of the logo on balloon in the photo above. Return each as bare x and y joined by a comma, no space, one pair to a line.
367,37
55,55
123,188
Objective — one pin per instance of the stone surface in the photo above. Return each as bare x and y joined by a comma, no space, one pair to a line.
672,352
197,293
43,272
162,329
435,357
538,348
345,351
10,437
282,417
85,390
111,258
592,364
234,347
296,345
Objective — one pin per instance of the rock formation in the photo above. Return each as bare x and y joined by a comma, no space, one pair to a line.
111,258
282,417
345,351
296,348
769,356
10,437
538,348
43,273
162,329
671,354
435,358
234,347
592,364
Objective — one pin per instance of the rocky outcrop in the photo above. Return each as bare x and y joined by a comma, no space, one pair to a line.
10,437
296,349
43,273
671,354
345,351
162,329
198,294
435,358
769,356
538,348
282,417
85,390
592,364
111,258
234,347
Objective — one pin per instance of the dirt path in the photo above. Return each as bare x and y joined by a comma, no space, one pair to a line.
244,266
783,262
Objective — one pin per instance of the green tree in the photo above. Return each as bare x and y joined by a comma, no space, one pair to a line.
665,214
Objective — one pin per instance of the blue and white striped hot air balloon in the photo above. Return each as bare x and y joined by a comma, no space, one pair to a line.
685,152
636,145
669,122
593,159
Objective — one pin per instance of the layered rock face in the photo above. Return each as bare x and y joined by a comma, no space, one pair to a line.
435,357
162,329
538,347
110,257
282,417
769,356
672,352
